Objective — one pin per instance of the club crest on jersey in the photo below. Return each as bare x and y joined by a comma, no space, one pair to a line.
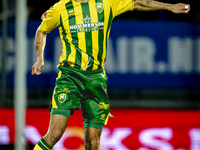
99,7
62,97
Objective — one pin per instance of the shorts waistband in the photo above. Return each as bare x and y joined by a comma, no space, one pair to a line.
68,67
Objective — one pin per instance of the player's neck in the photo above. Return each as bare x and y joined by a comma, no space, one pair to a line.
82,1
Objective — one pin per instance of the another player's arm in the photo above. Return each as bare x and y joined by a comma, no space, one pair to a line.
40,42
151,5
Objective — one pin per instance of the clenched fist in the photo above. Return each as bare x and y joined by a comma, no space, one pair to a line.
36,67
180,8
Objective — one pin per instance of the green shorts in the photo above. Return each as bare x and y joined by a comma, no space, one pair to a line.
82,89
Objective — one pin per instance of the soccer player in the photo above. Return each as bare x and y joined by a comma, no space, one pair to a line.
84,27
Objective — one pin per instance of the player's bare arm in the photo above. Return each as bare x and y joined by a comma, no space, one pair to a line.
150,5
40,42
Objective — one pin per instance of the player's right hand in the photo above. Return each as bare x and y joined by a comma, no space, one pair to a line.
180,8
36,67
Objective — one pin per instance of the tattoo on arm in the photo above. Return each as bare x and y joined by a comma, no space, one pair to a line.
148,1
37,47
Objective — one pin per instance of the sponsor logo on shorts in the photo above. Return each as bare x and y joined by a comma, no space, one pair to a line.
103,117
102,105
62,97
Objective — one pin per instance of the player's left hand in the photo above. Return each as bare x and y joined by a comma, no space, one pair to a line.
180,8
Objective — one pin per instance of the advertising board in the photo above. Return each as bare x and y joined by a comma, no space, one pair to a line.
141,54
131,129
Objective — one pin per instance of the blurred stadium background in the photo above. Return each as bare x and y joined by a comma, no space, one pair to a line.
153,69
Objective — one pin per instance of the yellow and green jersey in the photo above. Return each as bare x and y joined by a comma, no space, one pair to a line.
84,29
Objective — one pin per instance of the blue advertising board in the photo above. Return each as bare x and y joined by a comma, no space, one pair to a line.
141,54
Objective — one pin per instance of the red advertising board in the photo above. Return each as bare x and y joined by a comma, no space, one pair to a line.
131,129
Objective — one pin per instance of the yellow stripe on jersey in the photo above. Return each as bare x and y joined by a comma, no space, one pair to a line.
72,55
63,34
81,35
64,50
95,44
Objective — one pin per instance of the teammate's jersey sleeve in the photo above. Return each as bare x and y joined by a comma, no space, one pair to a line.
121,6
50,19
